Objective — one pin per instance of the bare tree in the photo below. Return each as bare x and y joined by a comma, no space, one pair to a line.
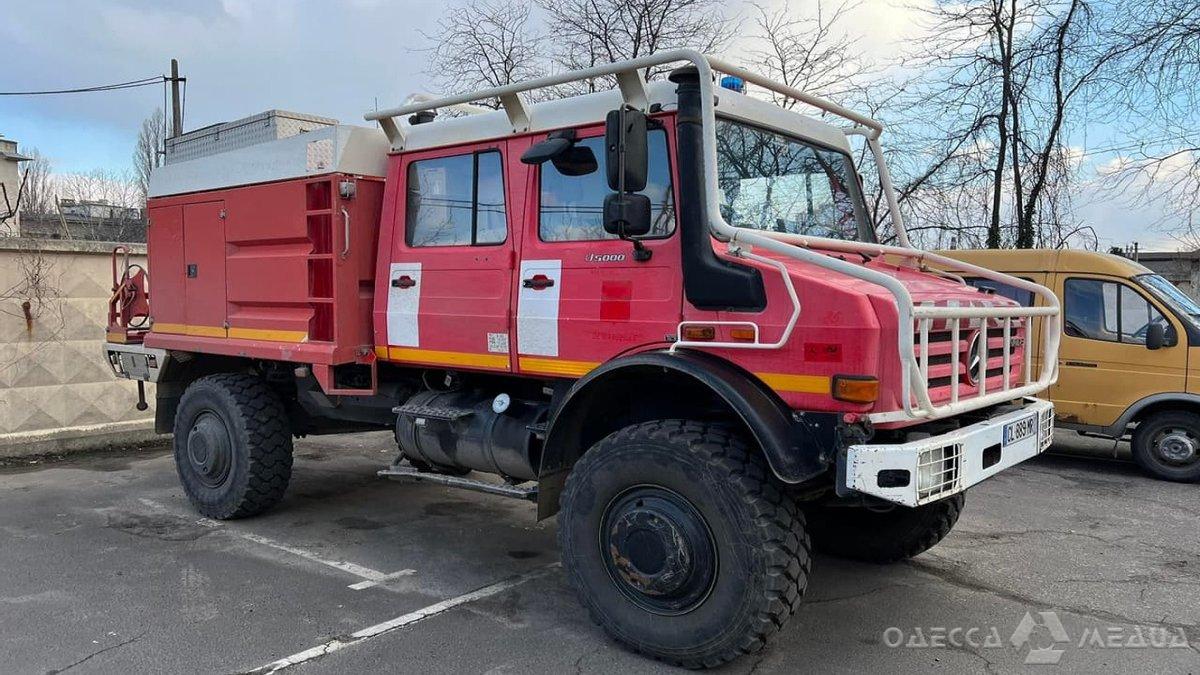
148,154
39,187
587,33
1158,48
102,205
1005,80
484,43
810,53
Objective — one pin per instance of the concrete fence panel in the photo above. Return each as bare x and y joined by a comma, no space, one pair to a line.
57,393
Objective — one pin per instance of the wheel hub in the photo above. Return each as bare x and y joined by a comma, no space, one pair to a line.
658,549
1177,446
209,450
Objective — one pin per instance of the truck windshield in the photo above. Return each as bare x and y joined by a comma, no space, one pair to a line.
1170,295
776,183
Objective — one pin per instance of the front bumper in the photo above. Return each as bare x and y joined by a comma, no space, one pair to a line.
933,468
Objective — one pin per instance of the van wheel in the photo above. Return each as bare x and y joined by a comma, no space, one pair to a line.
882,537
1167,445
679,543
233,449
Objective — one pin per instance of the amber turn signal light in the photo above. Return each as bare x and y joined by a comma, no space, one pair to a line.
855,388
696,333
747,334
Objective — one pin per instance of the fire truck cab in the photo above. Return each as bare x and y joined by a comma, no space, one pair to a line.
661,311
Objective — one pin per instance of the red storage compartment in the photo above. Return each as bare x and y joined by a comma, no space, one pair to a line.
281,270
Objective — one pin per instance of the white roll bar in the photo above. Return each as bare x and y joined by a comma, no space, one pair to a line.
917,403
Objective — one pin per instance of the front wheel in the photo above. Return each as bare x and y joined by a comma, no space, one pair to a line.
1167,445
679,543
882,536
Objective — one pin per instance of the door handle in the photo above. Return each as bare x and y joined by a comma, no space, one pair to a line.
404,281
537,282
346,233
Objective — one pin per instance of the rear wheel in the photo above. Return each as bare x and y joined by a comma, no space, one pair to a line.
1167,445
679,543
887,536
233,449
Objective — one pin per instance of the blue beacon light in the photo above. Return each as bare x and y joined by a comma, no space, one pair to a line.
733,83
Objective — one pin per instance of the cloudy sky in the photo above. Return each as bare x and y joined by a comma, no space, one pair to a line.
241,57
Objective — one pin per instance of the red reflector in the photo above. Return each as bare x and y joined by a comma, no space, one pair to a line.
699,333
823,352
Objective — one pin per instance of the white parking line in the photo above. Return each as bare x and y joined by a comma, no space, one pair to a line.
401,621
369,576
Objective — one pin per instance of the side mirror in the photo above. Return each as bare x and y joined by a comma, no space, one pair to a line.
1156,336
577,160
626,147
555,144
627,215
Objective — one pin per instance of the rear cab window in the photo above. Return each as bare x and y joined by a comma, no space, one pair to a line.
456,201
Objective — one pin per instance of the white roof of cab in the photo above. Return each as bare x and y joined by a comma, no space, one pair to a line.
591,109
363,151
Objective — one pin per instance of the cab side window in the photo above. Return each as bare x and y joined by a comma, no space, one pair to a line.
1108,311
572,207
456,201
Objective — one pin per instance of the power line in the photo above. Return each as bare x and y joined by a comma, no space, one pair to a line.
144,82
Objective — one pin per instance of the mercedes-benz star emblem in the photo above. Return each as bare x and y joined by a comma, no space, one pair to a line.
972,359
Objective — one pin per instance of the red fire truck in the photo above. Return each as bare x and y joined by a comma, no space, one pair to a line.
660,312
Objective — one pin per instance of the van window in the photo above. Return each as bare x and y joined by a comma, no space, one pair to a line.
1022,296
1108,311
456,201
572,207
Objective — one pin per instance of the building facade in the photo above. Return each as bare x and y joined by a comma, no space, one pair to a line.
10,186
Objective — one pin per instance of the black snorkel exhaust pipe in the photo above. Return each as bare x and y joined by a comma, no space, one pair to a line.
709,282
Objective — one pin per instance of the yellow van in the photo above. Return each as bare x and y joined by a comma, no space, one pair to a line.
1130,355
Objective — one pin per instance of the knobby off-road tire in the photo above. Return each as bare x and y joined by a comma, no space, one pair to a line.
1167,446
233,449
679,543
882,537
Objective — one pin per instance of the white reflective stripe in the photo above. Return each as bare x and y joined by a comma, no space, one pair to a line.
404,304
537,309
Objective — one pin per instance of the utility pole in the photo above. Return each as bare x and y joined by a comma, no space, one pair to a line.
176,108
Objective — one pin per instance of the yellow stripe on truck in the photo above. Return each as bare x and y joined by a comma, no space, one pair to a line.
268,334
265,334
469,359
557,366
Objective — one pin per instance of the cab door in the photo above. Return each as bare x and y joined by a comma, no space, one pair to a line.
451,267
583,297
1104,364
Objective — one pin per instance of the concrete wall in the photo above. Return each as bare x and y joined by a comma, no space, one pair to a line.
56,390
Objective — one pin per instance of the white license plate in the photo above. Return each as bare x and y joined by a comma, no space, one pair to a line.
1015,432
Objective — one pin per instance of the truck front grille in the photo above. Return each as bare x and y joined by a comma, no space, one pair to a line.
951,359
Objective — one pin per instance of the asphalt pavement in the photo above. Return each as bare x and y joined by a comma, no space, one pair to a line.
1077,560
